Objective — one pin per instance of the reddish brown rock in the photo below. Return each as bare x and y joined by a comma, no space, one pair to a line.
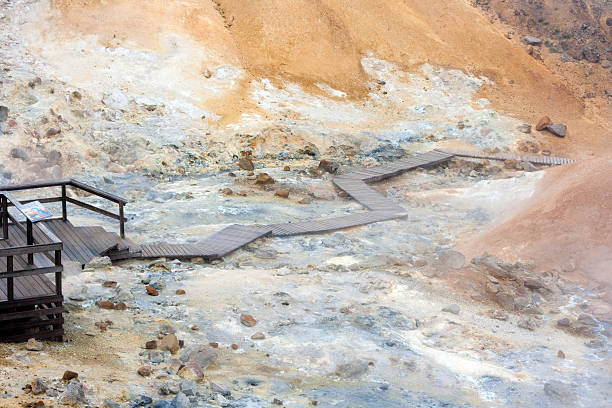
144,371
234,347
545,121
151,345
282,193
151,291
264,179
227,191
120,306
180,291
258,336
247,320
213,344
105,304
170,342
110,284
287,168
69,375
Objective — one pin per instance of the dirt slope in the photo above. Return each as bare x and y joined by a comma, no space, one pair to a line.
566,225
323,42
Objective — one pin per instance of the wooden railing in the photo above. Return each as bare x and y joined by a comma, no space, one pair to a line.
64,199
49,244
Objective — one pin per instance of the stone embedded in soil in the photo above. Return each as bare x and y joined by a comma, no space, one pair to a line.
227,191
120,306
74,394
264,179
151,345
247,320
329,166
34,345
69,375
352,369
180,291
105,304
524,128
216,388
3,113
151,291
170,342
258,336
144,371
110,284
38,386
246,164
286,168
451,259
532,40
282,193
543,122
560,354
191,371
454,309
557,129
234,346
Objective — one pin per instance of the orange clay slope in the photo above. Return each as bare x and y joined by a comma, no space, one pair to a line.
323,42
566,226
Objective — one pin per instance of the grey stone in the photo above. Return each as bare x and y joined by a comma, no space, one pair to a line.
3,113
99,262
587,320
116,99
39,386
454,309
527,166
111,404
189,388
219,389
596,343
202,355
532,40
557,129
451,259
181,401
74,394
558,391
17,153
168,388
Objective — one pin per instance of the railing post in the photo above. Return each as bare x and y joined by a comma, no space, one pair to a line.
30,237
121,223
10,294
5,218
58,275
64,210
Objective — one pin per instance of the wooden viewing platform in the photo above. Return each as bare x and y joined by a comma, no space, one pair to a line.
31,253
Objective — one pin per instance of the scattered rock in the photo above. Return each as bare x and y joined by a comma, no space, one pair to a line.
3,113
264,179
258,336
180,291
105,304
451,259
109,284
533,283
565,322
170,342
151,345
120,306
227,191
560,392
352,369
234,346
247,320
144,371
53,132
100,262
587,320
17,153
557,129
454,309
207,74
151,291
282,193
286,168
542,123
39,386
191,371
201,355
116,99
499,315
74,394
596,343
246,164
532,40
329,166
524,128
69,375
528,324
216,388
181,401
560,354
305,200
34,345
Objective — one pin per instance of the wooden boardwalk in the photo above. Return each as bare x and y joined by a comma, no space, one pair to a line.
31,302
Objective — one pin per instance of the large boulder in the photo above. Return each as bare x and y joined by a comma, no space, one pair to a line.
201,355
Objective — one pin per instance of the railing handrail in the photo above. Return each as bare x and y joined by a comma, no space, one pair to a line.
65,199
66,182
